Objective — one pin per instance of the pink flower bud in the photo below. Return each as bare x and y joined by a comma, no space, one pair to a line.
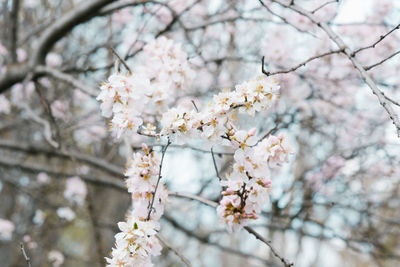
252,131
273,140
144,146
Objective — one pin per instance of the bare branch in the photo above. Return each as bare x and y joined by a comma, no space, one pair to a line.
367,68
302,64
66,78
377,41
83,12
121,60
27,259
215,164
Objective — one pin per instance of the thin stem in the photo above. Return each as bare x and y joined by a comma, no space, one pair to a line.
175,250
27,259
121,59
159,178
215,164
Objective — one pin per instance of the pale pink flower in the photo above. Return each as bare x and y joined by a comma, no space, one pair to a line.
75,190
6,229
60,110
54,60
56,258
5,106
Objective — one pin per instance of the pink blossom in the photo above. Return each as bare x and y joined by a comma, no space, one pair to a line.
6,229
75,190
5,106
54,59
60,110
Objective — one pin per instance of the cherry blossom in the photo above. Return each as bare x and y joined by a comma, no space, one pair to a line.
75,190
66,213
6,229
56,258
5,106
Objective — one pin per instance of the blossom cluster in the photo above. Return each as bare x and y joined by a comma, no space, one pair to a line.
137,241
219,117
246,188
143,174
135,244
75,190
130,98
127,97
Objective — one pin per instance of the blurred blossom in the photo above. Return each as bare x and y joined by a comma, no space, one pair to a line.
56,258
43,178
66,213
79,97
122,17
53,60
21,55
3,50
31,3
30,244
5,106
44,81
6,229
83,170
75,190
19,95
39,217
164,15
60,110
90,134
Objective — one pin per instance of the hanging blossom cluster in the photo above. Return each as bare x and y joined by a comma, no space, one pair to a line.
137,241
247,187
136,101
152,87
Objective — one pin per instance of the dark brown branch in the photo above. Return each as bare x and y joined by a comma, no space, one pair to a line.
121,59
302,64
377,41
367,68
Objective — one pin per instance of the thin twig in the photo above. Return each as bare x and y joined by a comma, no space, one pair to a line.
377,41
323,5
268,243
176,251
194,104
121,59
215,164
367,68
300,64
159,178
27,259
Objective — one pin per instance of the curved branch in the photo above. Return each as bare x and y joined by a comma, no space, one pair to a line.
84,12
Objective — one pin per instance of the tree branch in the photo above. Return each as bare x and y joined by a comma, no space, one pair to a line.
350,54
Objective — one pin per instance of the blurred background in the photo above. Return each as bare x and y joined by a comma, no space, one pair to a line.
61,172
